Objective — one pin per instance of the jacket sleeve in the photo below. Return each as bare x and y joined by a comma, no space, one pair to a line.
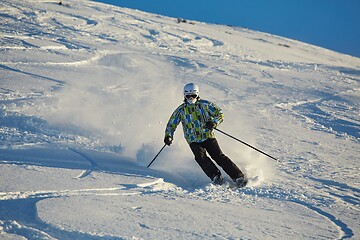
216,113
173,122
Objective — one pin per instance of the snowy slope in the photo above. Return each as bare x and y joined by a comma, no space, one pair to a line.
87,88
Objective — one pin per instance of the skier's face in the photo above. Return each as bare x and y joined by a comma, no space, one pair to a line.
191,98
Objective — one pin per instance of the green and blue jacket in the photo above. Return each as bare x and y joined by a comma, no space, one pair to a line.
193,118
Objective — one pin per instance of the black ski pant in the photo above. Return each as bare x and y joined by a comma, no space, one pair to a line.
211,146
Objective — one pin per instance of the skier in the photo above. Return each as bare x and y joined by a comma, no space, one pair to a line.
199,118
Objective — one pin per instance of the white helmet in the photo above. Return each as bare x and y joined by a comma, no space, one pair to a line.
191,92
190,89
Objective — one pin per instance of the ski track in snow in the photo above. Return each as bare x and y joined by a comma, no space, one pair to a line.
63,68
93,165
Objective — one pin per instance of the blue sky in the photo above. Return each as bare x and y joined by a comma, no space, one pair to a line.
332,24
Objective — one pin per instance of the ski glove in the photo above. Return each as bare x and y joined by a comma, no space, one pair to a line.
168,140
210,125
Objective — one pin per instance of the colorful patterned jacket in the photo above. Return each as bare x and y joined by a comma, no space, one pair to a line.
193,118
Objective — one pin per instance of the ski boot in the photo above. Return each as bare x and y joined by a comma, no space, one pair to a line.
241,182
218,180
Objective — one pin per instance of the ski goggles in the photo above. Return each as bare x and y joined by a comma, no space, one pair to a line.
190,96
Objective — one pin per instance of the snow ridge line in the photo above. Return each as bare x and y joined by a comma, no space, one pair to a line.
20,217
32,74
65,193
346,232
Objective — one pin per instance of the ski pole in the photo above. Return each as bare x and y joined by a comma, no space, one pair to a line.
156,155
246,144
